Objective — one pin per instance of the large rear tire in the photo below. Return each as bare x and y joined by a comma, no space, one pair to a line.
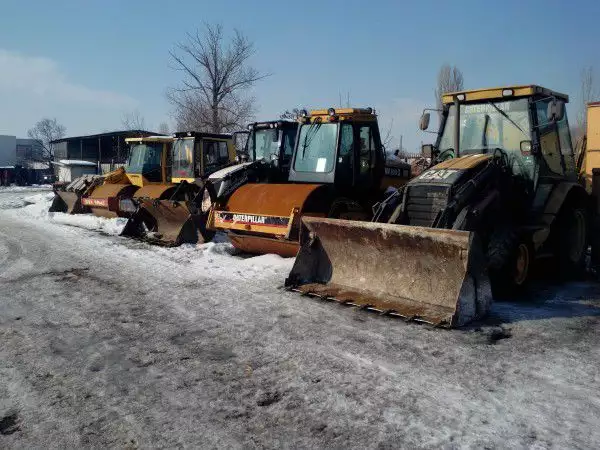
571,241
510,259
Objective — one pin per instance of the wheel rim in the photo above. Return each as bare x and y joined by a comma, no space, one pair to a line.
522,264
577,237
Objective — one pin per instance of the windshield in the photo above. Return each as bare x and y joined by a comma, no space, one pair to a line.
316,147
183,158
488,126
145,159
263,143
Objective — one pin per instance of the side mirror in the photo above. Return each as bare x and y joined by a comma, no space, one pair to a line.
424,122
396,152
526,148
427,151
556,110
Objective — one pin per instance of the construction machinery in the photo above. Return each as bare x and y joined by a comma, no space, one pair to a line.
102,194
171,213
181,218
337,170
501,194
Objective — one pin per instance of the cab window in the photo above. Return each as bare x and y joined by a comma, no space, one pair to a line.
215,155
366,149
549,138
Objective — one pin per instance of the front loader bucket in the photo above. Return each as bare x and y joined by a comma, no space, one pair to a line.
423,274
163,222
67,202
104,199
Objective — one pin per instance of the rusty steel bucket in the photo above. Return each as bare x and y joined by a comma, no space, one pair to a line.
67,202
164,222
264,218
104,199
423,274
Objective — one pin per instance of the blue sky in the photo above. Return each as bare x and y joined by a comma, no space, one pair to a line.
86,63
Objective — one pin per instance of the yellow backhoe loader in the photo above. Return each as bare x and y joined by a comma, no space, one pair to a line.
182,219
101,194
171,213
337,170
503,192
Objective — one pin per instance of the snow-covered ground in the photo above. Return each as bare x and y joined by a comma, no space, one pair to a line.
109,342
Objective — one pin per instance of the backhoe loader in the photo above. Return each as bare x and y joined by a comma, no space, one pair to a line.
336,170
101,194
181,217
503,192
171,215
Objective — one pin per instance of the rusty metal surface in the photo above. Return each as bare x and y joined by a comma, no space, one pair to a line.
153,191
170,223
431,275
104,199
269,199
72,202
263,245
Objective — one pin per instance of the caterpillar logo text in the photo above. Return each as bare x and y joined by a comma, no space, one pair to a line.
248,218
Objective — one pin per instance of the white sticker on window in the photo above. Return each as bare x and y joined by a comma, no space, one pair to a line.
321,163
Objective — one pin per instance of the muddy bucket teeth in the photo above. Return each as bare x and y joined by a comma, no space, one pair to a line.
422,274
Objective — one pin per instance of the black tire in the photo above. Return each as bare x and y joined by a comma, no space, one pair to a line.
509,259
571,238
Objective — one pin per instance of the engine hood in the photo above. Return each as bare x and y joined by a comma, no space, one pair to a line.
449,172
227,171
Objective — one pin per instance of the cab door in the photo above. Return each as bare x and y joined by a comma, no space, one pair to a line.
370,153
552,163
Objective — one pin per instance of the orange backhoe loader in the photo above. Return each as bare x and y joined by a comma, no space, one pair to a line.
338,169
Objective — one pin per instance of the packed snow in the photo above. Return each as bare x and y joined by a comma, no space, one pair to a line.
111,342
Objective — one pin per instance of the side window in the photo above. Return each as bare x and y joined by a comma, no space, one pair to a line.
223,153
566,147
366,149
215,155
549,139
288,143
346,141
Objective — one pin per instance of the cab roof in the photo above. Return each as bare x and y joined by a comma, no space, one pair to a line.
150,139
362,114
503,92
200,134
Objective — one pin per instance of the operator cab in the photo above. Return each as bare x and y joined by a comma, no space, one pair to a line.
146,157
272,144
525,125
196,155
341,147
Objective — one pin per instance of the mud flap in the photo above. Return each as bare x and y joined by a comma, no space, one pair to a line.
423,274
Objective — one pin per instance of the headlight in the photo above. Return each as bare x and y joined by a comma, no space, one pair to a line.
206,201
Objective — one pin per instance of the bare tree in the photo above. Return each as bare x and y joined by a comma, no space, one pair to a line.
44,132
589,92
450,79
387,138
133,121
216,75
292,114
163,128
